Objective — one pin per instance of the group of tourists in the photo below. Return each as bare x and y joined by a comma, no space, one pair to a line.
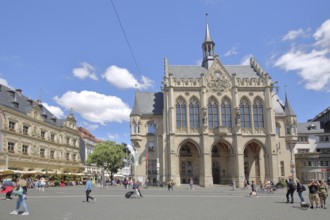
318,192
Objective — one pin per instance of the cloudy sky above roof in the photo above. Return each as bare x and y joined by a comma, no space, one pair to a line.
73,55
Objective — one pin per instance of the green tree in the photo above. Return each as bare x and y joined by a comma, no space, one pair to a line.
109,156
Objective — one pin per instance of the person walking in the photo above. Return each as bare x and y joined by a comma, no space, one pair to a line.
191,184
88,189
313,187
300,189
21,192
291,187
253,189
323,193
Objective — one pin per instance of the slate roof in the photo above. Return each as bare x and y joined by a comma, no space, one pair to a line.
242,71
10,98
148,103
309,128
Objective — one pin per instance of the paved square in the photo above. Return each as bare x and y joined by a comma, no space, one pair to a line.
219,202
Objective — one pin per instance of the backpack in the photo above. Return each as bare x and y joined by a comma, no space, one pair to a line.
303,188
293,186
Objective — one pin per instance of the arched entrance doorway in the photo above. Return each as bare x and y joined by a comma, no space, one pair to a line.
252,161
189,163
221,164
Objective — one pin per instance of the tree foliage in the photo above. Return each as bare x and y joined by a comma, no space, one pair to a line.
109,156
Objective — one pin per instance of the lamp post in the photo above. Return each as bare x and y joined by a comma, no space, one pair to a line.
157,165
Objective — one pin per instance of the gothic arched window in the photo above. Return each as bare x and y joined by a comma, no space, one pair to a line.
151,127
245,114
226,113
134,127
181,120
213,114
258,114
194,113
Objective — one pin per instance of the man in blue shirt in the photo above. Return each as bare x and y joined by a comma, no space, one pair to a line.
88,189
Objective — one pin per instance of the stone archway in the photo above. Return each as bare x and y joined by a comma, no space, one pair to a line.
253,161
189,163
221,163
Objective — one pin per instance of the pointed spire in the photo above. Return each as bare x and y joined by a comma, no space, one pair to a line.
287,107
136,109
207,33
208,48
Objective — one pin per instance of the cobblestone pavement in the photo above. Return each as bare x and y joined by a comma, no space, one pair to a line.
218,202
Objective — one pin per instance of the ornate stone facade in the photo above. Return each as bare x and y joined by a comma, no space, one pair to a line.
32,139
214,123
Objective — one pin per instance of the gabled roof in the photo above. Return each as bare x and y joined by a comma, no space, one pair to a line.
15,100
241,71
309,128
148,103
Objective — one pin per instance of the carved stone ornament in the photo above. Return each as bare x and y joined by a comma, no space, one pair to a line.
218,82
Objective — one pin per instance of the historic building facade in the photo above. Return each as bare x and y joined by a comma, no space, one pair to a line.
312,151
214,123
33,139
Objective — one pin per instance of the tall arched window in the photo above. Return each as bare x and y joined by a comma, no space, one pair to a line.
245,114
151,127
226,113
181,120
134,127
194,113
258,114
213,114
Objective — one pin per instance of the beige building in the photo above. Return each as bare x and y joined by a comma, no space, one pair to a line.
214,123
33,139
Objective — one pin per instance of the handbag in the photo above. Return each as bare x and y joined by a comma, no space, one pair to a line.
18,192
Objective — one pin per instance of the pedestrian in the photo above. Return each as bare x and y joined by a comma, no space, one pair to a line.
300,189
21,192
42,184
136,188
191,184
323,193
88,189
8,188
253,189
313,187
245,183
291,187
234,184
172,184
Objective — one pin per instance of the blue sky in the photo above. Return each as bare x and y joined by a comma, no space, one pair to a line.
73,54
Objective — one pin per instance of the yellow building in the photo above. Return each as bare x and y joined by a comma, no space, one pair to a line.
213,123
33,139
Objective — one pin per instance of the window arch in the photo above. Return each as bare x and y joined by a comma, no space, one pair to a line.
134,127
258,114
245,113
213,114
151,127
226,113
194,113
181,115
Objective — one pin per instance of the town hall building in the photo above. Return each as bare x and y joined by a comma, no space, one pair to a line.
214,123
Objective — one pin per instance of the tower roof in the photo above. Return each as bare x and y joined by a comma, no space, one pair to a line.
287,107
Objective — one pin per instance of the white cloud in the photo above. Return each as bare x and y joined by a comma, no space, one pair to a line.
123,79
293,34
113,136
95,107
4,82
246,59
312,66
322,35
56,111
231,52
89,126
86,70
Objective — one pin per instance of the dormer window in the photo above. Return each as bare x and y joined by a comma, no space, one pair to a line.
11,93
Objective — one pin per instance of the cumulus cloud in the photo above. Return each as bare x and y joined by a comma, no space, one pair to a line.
231,52
56,111
95,107
293,34
85,71
312,65
246,59
4,82
113,136
123,79
89,126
